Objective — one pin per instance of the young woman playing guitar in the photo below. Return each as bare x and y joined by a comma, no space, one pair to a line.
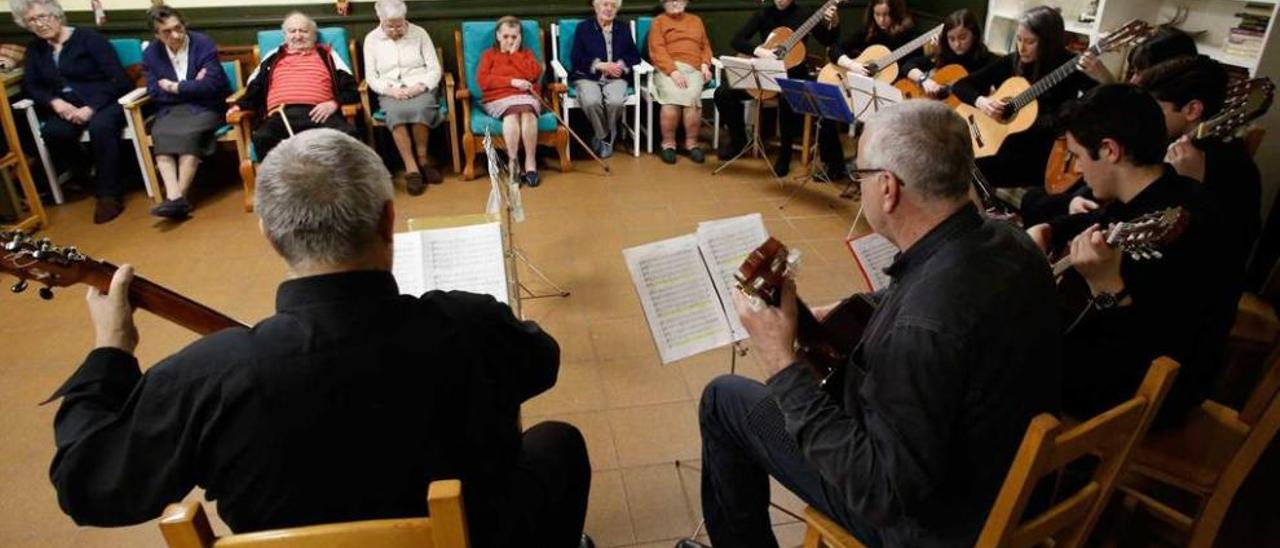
1041,48
960,51
887,23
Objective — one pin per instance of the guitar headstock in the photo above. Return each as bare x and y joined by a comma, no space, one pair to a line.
1246,100
40,261
1143,237
1129,34
766,270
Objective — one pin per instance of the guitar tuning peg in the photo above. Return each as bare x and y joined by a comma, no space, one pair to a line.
46,293
19,287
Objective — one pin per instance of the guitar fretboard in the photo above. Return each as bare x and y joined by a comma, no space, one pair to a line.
897,54
808,25
1044,84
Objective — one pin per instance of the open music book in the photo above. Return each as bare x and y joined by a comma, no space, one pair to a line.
462,258
685,284
873,253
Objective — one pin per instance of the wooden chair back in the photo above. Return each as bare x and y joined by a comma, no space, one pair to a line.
1049,448
185,525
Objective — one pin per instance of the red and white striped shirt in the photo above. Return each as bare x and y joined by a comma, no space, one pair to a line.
299,79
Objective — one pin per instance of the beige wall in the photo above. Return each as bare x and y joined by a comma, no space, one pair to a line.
109,5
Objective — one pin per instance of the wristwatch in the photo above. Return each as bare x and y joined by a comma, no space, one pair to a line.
1107,301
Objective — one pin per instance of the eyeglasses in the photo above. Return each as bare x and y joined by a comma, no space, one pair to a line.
858,173
39,19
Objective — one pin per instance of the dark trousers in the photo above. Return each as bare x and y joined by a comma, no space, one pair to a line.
104,140
272,130
550,487
744,441
790,125
1021,160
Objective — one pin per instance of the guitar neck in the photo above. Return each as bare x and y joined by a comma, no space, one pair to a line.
800,33
165,303
1045,84
1061,267
897,54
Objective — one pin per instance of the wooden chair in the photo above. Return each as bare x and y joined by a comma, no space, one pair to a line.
376,118
1048,447
470,43
269,40
138,123
1209,456
185,525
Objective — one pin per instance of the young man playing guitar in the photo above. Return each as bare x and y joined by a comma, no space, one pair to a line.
909,443
340,407
1123,312
777,14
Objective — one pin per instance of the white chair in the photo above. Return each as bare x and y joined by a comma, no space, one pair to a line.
562,34
129,51
641,31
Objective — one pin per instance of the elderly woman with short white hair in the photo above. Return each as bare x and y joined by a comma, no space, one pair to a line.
603,56
402,68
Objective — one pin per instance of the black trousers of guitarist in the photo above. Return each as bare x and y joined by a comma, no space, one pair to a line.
729,101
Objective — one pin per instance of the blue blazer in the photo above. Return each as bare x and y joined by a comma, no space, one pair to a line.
87,72
209,92
588,46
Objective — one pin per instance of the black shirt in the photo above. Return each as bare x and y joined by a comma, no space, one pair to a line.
959,356
768,18
343,406
980,83
1182,307
973,60
853,44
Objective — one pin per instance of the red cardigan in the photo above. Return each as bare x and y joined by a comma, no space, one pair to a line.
497,69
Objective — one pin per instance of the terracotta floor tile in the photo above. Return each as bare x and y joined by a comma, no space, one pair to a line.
608,514
578,388
659,508
641,381
656,434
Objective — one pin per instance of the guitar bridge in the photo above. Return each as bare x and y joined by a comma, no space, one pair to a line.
977,133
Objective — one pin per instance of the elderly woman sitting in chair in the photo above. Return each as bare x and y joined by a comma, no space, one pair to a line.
604,54
402,68
508,76
681,53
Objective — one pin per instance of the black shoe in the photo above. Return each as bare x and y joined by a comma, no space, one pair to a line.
729,150
413,184
173,209
586,542
697,156
531,179
782,166
690,543
669,155
106,209
432,175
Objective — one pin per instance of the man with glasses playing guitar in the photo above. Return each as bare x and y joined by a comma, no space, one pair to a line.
907,442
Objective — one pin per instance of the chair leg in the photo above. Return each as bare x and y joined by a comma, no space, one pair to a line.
649,139
469,155
715,129
453,148
562,144
564,113
250,181
55,185
635,131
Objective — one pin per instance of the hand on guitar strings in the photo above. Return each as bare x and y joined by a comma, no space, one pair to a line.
1186,158
772,329
112,314
994,108
1042,235
1097,261
1080,205
765,53
852,65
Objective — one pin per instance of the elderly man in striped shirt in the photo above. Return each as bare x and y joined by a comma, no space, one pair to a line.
299,86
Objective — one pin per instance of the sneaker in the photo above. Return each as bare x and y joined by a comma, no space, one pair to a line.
669,155
729,150
413,183
697,156
432,175
531,179
604,149
107,208
173,210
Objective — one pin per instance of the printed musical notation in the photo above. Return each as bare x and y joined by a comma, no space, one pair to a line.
874,254
465,258
725,243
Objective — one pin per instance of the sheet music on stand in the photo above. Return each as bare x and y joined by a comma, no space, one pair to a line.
870,95
469,257
873,254
753,73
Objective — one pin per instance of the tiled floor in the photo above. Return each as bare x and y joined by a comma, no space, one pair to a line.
639,416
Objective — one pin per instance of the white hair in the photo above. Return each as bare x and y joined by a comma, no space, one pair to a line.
925,144
390,9
310,22
21,7
595,3
321,196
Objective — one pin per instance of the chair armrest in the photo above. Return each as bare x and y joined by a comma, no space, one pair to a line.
463,95
715,62
240,116
23,104
643,68
557,87
364,101
558,68
128,98
235,97
350,111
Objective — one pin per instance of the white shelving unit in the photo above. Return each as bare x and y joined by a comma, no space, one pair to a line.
1212,19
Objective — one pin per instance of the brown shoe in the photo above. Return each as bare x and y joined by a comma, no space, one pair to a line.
108,208
413,183
432,175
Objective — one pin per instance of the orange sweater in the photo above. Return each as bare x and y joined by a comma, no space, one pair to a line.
497,69
681,38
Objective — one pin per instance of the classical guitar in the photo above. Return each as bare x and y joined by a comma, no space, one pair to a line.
787,45
824,345
1245,102
944,76
1142,238
40,261
1021,108
881,63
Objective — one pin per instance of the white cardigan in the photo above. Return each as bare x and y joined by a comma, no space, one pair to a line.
409,61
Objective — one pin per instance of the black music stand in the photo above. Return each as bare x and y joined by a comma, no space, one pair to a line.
823,102
760,76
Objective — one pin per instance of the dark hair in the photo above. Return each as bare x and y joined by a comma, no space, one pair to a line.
897,13
507,21
1185,79
1167,43
1046,23
1123,113
960,18
160,12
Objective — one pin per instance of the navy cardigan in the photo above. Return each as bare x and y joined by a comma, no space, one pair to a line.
87,72
588,46
208,93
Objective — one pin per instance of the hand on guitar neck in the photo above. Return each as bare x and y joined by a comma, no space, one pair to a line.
112,314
